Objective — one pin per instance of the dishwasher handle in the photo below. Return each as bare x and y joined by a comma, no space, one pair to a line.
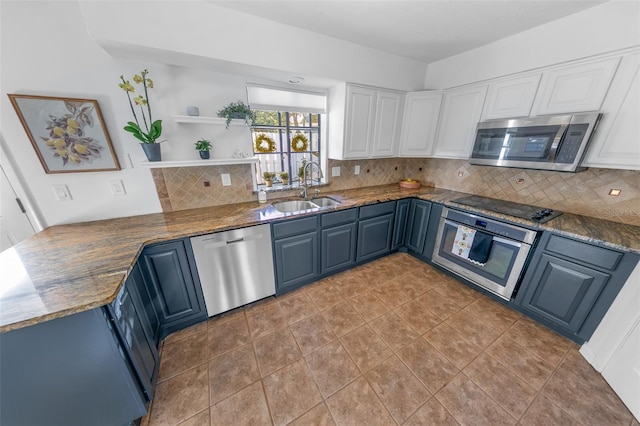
214,243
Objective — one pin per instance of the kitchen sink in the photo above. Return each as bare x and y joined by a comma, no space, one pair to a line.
325,202
296,206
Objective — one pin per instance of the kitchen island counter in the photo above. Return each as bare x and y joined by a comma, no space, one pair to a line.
72,268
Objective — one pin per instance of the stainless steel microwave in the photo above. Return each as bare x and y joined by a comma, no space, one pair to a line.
556,142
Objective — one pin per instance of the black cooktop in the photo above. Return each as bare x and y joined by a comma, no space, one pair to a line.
524,211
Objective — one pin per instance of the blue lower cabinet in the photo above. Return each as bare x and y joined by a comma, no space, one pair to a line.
417,223
138,287
131,322
173,285
297,261
400,223
70,371
569,284
374,237
338,248
563,292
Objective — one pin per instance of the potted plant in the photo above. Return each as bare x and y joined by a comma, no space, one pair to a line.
268,178
284,177
301,169
204,146
237,110
151,130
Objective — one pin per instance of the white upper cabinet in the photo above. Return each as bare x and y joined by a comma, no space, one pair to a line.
386,128
420,123
511,98
575,88
371,122
616,143
461,111
358,129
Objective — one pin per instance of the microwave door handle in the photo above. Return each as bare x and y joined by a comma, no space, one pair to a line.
557,142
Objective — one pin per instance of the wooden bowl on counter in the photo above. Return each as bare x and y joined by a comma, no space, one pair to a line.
409,184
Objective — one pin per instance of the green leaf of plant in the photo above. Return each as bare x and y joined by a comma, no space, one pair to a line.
156,130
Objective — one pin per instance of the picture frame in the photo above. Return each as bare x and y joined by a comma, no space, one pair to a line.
68,134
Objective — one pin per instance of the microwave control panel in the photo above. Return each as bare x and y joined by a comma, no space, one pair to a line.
571,144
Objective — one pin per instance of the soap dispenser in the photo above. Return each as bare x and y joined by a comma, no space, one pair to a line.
262,196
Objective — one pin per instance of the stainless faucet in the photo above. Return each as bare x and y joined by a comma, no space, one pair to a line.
309,165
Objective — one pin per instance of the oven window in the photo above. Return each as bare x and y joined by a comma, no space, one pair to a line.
501,257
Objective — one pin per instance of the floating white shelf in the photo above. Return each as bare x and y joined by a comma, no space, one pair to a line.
196,163
189,119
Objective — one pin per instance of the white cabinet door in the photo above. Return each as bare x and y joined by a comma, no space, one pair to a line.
386,129
461,110
511,98
623,370
616,143
361,102
575,88
420,123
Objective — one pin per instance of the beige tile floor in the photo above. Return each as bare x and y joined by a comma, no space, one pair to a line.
390,342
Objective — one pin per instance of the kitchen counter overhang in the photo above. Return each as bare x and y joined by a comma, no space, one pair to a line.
72,268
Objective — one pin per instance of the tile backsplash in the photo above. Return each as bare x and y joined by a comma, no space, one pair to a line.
584,193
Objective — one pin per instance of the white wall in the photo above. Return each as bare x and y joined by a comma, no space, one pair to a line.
64,60
203,31
46,50
49,53
611,26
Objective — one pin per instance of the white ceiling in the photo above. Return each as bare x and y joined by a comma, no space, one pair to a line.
424,30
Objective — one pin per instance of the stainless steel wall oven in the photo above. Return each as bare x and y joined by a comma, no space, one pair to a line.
487,252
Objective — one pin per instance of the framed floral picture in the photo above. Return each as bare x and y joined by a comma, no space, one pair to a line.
68,134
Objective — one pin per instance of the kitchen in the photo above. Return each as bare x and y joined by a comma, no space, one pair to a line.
91,199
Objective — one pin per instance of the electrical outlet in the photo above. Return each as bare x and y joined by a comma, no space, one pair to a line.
117,188
356,171
335,171
62,192
226,179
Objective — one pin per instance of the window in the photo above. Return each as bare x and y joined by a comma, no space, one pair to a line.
284,141
286,133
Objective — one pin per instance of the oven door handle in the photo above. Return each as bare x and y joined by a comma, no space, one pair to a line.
506,241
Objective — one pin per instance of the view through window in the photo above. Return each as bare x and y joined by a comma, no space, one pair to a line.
284,141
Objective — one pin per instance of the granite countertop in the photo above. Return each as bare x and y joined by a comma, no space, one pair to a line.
72,268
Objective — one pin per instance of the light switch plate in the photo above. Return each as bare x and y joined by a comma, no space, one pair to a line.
335,171
62,192
117,187
226,179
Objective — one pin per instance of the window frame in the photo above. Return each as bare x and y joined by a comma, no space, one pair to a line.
284,130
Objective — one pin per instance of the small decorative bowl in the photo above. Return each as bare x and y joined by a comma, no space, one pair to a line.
410,184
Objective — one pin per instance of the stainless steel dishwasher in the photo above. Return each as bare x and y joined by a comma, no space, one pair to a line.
235,267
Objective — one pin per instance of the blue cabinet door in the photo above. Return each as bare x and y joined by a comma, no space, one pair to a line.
417,224
374,237
131,321
296,261
561,291
144,302
173,286
400,223
338,248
